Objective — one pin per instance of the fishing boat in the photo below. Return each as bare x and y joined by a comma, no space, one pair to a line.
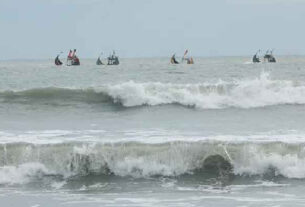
255,58
272,59
269,57
173,59
189,60
98,61
72,59
113,59
57,60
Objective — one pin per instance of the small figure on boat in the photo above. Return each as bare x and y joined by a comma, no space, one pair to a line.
173,59
189,60
72,59
57,60
98,61
113,59
255,58
269,57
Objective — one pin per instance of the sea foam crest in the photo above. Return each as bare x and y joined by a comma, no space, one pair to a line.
258,92
24,161
20,174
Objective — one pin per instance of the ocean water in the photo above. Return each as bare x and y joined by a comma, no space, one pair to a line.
221,132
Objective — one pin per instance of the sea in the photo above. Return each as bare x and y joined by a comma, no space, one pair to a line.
223,132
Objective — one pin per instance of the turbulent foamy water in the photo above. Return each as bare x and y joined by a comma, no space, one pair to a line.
221,132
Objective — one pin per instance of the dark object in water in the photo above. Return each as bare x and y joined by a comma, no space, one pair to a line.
272,59
190,60
173,60
72,59
113,59
255,58
57,61
217,169
218,165
269,57
99,62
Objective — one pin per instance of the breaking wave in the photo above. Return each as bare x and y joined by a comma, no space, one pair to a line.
19,162
258,92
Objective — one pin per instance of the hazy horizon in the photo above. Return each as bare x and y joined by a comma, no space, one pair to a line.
63,57
150,28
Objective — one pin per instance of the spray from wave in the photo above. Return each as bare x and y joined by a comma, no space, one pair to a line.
259,92
20,161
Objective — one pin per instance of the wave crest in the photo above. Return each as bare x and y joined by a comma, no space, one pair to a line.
21,160
258,92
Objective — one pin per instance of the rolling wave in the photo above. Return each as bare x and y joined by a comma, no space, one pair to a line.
21,161
253,93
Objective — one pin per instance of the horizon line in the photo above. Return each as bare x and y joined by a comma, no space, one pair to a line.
154,57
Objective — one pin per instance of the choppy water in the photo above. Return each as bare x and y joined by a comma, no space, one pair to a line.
140,134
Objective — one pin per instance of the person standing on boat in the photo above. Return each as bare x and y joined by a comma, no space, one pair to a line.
70,54
73,54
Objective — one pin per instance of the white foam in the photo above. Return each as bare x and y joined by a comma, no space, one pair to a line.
259,92
206,189
245,93
288,165
21,174
258,184
98,186
138,159
152,136
58,185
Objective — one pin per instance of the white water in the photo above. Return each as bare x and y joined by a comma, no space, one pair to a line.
247,93
77,136
258,92
23,161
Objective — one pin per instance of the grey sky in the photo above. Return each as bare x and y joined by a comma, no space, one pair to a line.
149,28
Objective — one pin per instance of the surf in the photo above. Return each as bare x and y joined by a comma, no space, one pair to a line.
253,93
22,161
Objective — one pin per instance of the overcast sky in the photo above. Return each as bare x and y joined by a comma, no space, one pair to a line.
150,28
